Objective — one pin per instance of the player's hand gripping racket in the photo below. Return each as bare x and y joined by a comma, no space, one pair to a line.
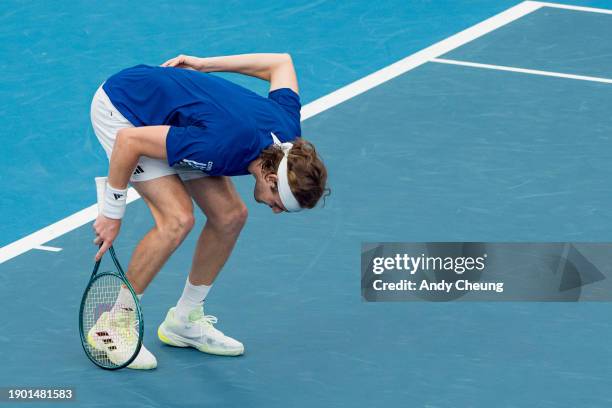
110,319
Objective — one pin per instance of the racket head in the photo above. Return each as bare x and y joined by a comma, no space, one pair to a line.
111,334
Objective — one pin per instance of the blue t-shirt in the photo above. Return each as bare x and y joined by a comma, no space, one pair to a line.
216,126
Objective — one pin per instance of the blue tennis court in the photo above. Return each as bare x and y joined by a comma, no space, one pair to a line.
498,133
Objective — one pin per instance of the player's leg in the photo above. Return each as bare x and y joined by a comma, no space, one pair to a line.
172,210
226,213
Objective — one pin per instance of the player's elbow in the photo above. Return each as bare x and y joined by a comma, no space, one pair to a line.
279,61
123,139
286,58
126,142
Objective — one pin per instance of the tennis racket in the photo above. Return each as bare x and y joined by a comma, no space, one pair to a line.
110,318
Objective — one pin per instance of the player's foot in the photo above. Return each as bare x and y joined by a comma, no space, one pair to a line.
198,332
114,334
145,360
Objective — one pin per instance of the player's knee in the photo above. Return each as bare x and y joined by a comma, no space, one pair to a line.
175,227
233,220
185,221
242,215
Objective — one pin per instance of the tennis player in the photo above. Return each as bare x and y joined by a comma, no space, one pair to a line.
177,133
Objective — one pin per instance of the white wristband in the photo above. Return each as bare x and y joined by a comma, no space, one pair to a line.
114,202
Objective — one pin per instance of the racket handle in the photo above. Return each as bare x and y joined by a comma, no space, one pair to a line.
100,189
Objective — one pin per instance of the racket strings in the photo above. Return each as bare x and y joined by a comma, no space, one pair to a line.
110,322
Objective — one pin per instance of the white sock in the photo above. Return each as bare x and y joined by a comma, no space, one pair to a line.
193,297
124,299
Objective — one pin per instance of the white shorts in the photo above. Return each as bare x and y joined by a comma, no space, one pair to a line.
107,121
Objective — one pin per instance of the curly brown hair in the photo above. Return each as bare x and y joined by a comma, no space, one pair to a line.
306,172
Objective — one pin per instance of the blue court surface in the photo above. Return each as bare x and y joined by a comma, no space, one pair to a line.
501,133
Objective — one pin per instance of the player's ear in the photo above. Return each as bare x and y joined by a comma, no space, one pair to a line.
271,178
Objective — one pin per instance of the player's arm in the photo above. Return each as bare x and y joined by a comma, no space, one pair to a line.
130,144
276,68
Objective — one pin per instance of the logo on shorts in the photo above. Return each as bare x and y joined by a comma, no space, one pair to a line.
138,170
198,165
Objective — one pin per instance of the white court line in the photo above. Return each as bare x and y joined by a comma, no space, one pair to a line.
419,58
521,70
55,230
326,102
47,248
575,8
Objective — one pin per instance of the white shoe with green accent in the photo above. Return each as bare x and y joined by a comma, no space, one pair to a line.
117,337
198,332
145,360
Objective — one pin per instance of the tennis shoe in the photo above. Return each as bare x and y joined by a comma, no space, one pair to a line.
115,334
145,360
197,331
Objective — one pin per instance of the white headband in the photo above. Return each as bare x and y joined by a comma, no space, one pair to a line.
284,191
